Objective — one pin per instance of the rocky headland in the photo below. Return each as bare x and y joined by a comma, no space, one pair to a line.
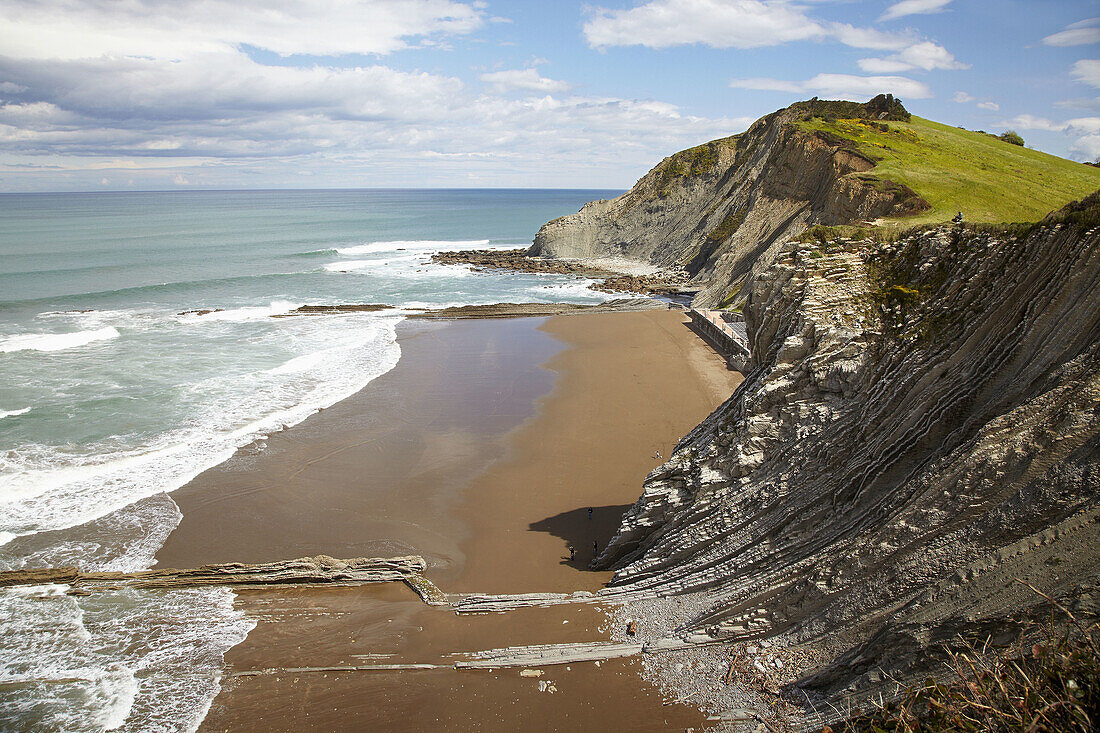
913,461
721,210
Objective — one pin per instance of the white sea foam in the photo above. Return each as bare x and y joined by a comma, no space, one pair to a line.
126,540
406,268
54,489
13,413
119,660
239,315
55,341
571,290
420,244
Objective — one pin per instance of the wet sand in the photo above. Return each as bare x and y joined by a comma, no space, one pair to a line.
482,450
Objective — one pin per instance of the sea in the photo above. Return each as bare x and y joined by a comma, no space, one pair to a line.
144,337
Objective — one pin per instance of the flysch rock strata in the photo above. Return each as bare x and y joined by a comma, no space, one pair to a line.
721,211
305,570
918,430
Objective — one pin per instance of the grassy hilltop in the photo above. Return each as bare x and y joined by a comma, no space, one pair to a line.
987,179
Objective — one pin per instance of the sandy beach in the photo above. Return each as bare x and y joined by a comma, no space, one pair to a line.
482,451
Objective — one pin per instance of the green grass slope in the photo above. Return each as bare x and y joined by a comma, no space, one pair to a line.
954,170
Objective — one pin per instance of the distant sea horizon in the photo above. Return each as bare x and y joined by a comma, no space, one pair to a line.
200,189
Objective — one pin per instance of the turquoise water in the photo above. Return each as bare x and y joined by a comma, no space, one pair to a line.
116,388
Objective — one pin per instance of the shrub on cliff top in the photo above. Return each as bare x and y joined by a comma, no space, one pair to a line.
882,107
1011,136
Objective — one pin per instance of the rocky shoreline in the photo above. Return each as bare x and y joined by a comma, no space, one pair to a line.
663,282
909,442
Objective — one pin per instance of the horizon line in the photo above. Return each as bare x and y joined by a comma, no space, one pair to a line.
304,190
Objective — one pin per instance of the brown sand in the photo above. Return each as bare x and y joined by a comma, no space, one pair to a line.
629,386
446,457
379,473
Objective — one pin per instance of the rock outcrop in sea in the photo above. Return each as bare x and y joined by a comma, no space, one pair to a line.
722,210
914,453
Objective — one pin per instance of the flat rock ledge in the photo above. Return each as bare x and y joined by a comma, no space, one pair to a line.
609,280
525,310
321,569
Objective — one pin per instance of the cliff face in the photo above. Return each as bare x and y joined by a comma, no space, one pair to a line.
919,427
721,210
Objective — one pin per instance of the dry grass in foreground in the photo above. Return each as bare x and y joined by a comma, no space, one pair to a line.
1050,685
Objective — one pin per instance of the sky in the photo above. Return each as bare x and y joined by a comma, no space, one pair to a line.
226,94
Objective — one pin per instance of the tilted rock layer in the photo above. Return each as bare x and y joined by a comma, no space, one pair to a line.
721,210
919,428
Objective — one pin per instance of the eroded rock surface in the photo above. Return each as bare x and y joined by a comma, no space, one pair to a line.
919,429
722,210
319,569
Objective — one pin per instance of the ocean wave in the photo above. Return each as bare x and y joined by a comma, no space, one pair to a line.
416,244
44,488
13,413
238,315
156,289
315,252
572,290
353,265
56,341
134,660
124,541
391,265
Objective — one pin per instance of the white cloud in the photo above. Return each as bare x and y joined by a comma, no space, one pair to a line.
72,29
870,38
769,85
966,98
757,23
1090,103
913,7
1031,122
164,96
1082,33
1087,71
1086,130
728,24
1087,145
523,79
924,55
1087,148
222,118
883,66
842,86
1078,126
218,86
1084,125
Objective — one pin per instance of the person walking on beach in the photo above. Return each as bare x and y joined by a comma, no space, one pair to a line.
572,553
589,512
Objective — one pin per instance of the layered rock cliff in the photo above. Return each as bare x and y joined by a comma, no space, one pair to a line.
721,210
919,428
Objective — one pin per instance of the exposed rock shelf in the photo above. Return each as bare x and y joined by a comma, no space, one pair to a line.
305,570
609,281
919,427
520,310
